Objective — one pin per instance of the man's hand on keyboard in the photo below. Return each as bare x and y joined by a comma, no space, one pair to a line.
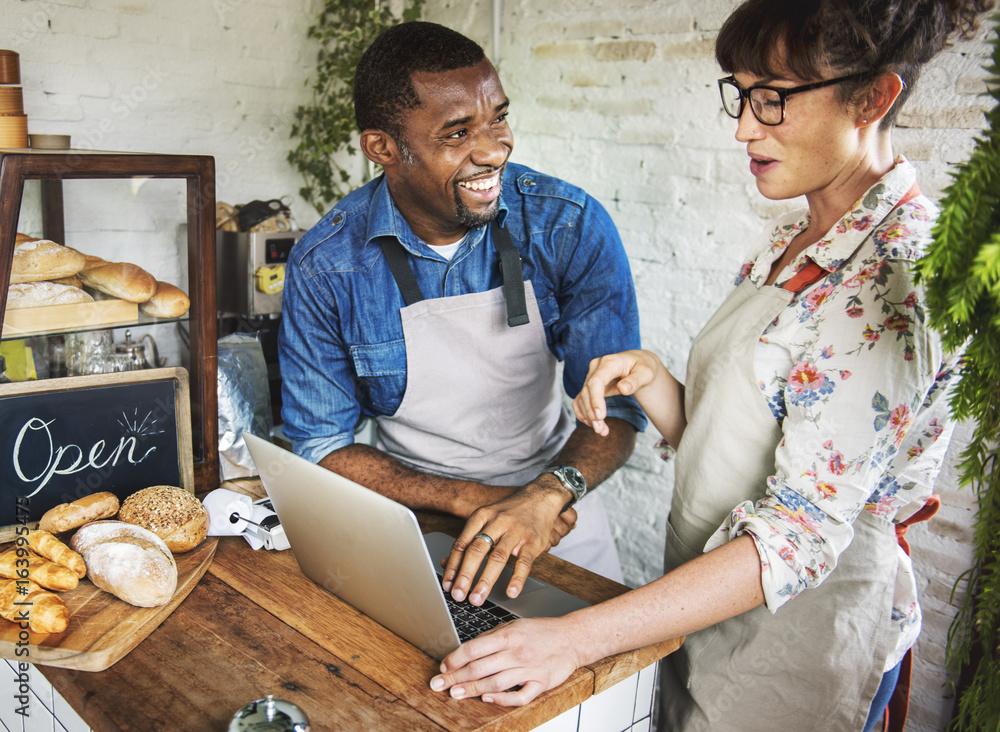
523,525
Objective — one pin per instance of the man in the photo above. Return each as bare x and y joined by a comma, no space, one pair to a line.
439,305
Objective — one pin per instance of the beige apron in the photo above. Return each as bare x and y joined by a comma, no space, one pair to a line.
818,661
483,402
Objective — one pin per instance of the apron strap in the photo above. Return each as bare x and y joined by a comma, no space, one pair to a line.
812,272
513,275
899,703
510,270
406,281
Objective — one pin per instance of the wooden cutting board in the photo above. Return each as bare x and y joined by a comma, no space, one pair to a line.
103,629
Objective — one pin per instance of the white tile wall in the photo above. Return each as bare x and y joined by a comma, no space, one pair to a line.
625,707
46,710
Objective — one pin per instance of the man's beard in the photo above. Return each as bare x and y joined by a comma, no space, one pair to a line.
471,219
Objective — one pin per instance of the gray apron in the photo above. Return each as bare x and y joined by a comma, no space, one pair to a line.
483,400
817,662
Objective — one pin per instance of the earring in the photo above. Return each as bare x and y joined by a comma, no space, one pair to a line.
865,121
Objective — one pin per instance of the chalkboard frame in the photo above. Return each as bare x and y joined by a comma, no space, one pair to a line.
182,410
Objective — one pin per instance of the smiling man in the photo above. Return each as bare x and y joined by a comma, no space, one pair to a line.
438,299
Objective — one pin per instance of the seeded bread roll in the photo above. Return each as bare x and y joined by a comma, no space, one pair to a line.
171,513
130,562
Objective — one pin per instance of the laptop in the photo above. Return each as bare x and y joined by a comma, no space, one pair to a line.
368,550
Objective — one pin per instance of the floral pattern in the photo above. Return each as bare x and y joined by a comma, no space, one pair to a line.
860,387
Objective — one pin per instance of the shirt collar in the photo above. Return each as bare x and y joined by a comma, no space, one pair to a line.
385,219
840,242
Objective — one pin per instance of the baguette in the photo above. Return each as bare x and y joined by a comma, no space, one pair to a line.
68,516
23,600
169,301
125,281
73,281
23,564
48,546
130,562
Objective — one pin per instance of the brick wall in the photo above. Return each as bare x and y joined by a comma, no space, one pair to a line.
617,96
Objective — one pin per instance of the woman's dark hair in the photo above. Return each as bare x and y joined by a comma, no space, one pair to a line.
770,38
383,86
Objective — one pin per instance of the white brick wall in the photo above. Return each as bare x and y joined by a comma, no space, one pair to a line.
617,96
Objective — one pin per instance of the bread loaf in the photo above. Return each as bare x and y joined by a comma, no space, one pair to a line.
73,281
130,562
120,279
36,260
45,544
169,301
68,516
24,564
46,612
39,294
171,513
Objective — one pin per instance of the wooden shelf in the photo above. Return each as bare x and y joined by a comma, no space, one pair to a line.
51,167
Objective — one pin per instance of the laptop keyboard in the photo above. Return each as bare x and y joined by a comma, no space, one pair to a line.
471,620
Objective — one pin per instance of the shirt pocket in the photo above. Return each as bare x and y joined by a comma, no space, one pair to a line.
381,372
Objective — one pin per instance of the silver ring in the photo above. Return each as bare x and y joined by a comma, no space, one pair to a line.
485,537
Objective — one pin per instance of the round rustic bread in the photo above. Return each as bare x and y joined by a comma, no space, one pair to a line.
130,562
171,513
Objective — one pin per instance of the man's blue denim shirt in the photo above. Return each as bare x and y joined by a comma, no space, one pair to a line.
341,339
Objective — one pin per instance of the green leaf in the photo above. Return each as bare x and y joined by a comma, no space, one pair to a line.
324,129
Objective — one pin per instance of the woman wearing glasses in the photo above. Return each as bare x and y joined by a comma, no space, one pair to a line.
814,414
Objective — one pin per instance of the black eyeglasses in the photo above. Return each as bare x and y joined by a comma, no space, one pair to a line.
767,102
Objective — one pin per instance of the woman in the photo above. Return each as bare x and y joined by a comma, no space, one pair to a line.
814,413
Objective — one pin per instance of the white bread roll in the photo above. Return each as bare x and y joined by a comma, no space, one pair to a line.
36,260
68,516
120,279
40,294
169,301
130,562
171,513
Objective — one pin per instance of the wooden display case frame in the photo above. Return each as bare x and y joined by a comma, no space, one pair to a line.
51,167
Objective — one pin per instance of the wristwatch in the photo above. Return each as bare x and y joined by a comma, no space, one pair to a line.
572,480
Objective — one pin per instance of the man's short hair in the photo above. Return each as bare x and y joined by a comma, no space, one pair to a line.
383,85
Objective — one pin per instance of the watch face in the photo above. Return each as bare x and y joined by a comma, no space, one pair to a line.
575,479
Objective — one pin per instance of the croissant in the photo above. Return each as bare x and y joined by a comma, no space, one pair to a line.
48,546
29,565
23,600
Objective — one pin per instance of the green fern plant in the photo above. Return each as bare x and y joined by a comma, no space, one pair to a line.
961,274
325,127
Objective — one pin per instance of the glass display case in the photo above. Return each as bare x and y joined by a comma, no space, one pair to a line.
154,213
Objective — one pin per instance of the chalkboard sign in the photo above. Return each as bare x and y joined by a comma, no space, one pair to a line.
62,439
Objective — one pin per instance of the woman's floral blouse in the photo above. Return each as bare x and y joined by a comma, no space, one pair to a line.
859,384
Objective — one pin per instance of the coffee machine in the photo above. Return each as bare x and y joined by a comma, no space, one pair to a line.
250,278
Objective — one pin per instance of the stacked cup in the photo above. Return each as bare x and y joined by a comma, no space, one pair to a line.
13,120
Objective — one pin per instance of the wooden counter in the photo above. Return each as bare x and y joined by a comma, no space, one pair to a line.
255,625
